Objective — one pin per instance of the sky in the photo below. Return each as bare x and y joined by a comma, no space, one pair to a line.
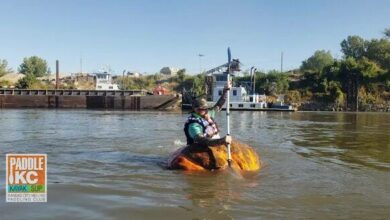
146,35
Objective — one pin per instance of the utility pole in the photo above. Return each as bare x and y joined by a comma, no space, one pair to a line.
281,63
81,65
200,62
254,79
57,73
123,79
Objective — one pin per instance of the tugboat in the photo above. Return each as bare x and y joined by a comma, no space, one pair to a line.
242,101
104,81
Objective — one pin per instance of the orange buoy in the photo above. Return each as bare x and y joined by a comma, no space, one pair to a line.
196,158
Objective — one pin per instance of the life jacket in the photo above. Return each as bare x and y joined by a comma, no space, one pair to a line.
208,129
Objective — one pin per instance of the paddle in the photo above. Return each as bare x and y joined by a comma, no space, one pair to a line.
229,160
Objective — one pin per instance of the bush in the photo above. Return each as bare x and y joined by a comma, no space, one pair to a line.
293,96
5,84
26,82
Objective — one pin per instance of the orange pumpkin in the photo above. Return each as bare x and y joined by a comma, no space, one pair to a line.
195,158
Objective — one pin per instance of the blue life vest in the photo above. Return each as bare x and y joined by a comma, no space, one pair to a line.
209,129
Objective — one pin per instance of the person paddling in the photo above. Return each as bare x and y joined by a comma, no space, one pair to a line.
200,129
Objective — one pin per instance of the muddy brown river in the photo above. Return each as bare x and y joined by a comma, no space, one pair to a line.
108,165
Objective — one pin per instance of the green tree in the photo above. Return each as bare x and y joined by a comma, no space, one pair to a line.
34,66
353,46
379,52
180,78
4,67
317,62
181,74
313,70
26,82
387,32
276,82
364,70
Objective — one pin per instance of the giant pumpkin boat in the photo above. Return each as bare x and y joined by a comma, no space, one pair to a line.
196,158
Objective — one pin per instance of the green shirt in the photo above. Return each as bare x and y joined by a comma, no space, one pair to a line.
195,129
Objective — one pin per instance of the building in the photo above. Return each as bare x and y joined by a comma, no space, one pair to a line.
159,90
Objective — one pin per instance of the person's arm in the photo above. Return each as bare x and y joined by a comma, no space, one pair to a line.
221,101
204,141
196,132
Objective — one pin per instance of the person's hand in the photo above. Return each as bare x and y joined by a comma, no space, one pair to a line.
228,139
228,85
207,117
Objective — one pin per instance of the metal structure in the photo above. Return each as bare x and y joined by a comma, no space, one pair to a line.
234,66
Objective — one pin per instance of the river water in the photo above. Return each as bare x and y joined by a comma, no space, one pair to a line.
107,165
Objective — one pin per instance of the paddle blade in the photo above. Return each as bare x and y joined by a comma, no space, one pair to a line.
229,55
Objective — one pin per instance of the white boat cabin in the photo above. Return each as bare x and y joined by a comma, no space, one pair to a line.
104,82
239,97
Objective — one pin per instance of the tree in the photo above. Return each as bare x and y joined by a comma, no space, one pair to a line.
379,52
34,66
313,70
26,82
364,70
277,82
180,78
181,74
317,61
3,67
387,32
353,46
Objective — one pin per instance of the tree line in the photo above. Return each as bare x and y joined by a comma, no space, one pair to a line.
365,64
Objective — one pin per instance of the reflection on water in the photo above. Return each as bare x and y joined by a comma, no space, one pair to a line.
105,165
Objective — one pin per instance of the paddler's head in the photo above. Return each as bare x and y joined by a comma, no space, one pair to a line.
200,106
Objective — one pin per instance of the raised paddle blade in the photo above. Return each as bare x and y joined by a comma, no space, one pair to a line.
229,55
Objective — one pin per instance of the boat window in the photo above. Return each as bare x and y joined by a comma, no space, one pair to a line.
253,105
231,105
99,87
219,92
234,92
240,105
221,78
110,87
